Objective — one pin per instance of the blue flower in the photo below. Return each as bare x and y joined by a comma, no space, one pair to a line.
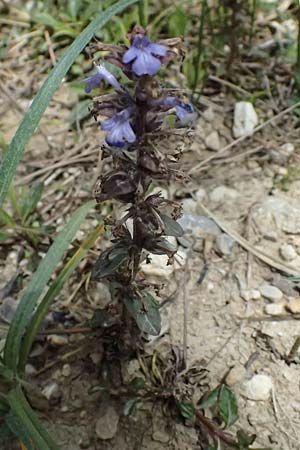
120,129
184,111
143,53
102,74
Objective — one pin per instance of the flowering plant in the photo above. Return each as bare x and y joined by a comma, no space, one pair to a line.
135,121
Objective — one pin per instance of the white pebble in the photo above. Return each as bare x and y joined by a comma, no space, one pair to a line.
259,388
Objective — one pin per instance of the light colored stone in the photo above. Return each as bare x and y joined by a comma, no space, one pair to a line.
30,369
161,436
130,371
158,267
8,309
200,195
51,390
293,305
212,141
250,294
278,213
271,236
259,388
101,295
288,148
200,226
66,370
288,252
271,292
57,340
189,205
245,119
225,244
107,425
223,193
208,114
236,375
274,309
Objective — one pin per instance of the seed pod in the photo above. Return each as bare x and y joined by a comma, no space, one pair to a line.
116,184
153,162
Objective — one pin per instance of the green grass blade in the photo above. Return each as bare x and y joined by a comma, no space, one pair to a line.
37,285
31,119
54,289
26,419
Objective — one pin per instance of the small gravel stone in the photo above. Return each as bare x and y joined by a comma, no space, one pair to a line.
212,141
245,119
271,236
287,148
274,309
223,193
250,294
225,244
288,252
57,340
259,388
208,115
8,309
271,292
293,305
107,425
236,375
66,370
189,205
51,390
30,369
200,226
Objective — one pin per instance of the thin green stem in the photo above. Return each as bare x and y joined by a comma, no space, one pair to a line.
200,45
143,12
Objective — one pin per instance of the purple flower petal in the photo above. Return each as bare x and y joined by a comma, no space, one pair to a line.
142,54
131,54
157,49
185,113
120,129
146,64
102,74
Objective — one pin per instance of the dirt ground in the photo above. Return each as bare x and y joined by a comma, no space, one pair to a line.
220,305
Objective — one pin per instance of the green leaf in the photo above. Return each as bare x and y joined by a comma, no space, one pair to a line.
37,284
5,433
31,200
24,421
228,406
172,228
146,313
6,219
49,297
211,399
130,406
178,22
187,410
50,21
73,8
244,439
109,261
137,384
25,130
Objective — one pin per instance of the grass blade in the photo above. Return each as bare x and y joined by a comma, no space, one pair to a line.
37,285
54,289
31,119
26,422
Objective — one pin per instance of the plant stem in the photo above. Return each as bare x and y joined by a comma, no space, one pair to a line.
213,431
199,44
297,68
143,12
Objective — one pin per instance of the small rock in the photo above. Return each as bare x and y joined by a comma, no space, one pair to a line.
259,388
245,119
271,292
158,267
161,436
200,195
8,309
101,295
107,425
223,193
57,340
271,236
288,252
250,294
130,371
189,205
274,309
236,375
66,370
208,115
288,148
96,357
199,225
30,369
225,244
51,391
212,141
294,305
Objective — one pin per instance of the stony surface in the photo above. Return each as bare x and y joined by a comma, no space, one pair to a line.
293,305
212,141
275,309
225,244
222,194
288,252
